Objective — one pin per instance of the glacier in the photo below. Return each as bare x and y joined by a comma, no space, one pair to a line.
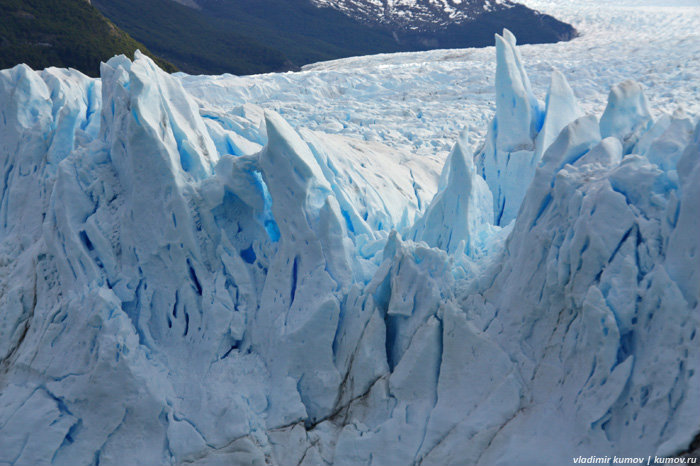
188,283
421,102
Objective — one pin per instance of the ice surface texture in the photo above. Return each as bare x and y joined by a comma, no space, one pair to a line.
181,285
421,102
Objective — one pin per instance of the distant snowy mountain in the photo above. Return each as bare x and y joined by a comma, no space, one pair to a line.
425,15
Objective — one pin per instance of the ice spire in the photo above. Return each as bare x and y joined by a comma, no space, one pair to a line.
299,308
561,109
626,115
459,211
517,109
521,131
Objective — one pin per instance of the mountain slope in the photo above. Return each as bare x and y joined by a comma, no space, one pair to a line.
245,37
64,33
250,36
195,42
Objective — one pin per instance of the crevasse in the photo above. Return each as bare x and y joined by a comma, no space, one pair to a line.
178,287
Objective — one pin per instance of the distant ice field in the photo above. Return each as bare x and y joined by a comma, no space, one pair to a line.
418,102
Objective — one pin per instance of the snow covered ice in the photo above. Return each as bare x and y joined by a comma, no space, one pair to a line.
185,277
420,102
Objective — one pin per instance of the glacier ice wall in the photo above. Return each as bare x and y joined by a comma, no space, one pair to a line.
185,286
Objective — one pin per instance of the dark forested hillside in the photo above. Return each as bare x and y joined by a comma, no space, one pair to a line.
245,36
253,36
197,43
66,33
